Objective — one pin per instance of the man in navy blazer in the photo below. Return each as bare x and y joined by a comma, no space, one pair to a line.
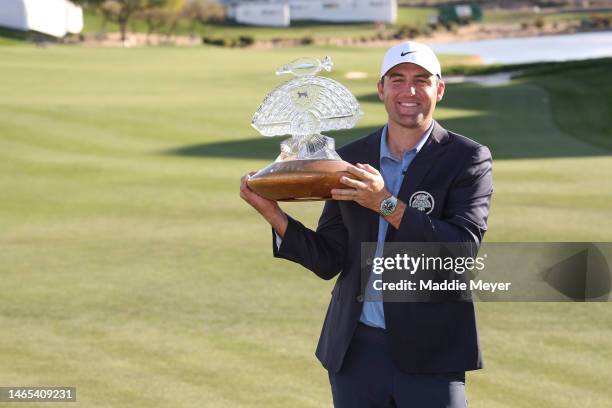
412,181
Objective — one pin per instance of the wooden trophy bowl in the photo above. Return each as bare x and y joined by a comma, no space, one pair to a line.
299,180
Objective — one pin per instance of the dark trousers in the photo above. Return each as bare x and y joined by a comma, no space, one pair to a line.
370,379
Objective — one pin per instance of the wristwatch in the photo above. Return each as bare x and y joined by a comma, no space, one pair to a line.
388,206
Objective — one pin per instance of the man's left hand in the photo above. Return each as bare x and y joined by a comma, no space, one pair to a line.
367,188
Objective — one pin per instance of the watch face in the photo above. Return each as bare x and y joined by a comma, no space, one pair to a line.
388,206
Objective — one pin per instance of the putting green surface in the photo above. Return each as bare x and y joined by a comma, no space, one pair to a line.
132,270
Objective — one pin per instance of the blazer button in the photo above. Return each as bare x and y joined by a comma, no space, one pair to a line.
360,298
369,261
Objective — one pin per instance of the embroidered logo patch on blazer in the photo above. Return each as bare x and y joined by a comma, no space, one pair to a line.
422,201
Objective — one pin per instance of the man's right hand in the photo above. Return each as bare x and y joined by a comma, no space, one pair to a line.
269,209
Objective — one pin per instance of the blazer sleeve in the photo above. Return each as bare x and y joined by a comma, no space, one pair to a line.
464,218
322,251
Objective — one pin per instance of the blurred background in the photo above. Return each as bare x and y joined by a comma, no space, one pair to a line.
130,268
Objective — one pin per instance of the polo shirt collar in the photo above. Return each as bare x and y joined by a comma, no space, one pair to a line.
386,152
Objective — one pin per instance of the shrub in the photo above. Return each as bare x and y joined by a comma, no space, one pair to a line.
406,31
451,26
306,40
599,21
539,23
220,42
245,40
242,41
427,31
230,42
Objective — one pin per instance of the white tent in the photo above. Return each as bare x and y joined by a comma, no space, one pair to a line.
53,17
275,14
383,11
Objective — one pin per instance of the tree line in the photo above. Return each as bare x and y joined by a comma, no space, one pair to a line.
156,14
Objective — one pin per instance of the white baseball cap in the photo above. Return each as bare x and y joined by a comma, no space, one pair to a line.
414,52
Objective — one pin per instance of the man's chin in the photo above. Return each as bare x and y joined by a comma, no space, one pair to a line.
413,123
416,124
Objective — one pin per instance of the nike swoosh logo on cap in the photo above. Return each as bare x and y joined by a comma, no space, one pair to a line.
406,53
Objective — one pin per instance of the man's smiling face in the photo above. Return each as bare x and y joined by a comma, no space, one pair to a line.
410,94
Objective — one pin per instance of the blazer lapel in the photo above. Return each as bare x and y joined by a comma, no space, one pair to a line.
372,157
371,153
368,152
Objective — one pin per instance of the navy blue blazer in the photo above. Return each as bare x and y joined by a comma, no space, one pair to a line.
423,337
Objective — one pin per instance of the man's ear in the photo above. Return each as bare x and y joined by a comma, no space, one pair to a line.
440,90
380,91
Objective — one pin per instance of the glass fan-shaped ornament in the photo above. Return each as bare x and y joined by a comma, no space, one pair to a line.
308,167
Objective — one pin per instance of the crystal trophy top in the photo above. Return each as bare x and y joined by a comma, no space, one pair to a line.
304,107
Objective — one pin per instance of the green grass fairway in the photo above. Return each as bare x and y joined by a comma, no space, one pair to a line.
132,270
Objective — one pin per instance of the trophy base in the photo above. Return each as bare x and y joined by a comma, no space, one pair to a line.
299,180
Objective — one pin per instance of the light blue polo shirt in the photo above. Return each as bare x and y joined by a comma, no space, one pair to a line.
392,170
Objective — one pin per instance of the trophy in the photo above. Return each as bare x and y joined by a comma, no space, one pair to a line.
308,167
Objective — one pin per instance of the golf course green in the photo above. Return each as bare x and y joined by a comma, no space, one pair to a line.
131,269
